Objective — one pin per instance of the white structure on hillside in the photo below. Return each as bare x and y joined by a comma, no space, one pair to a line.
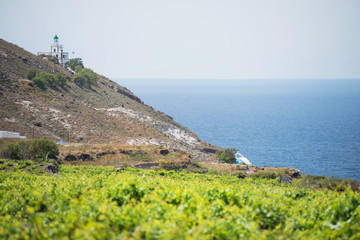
6,134
57,51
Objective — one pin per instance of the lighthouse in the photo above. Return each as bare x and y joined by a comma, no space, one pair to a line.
56,51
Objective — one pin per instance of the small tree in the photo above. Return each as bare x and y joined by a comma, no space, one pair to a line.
85,78
61,80
40,83
43,80
227,155
19,150
75,64
31,73
43,148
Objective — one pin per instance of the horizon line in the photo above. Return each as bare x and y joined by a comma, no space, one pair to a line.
358,78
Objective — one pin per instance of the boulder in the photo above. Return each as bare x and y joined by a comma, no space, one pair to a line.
285,179
85,157
146,165
119,168
164,152
209,150
99,155
52,167
296,173
70,158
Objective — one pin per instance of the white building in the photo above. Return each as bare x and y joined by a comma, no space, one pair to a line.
6,134
57,51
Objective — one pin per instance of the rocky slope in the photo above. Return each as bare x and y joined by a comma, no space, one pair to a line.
107,113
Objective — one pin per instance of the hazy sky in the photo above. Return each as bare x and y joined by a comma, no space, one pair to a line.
195,38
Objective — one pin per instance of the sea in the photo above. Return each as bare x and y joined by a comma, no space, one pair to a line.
311,125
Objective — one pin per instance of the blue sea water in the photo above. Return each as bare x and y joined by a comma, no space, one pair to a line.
312,125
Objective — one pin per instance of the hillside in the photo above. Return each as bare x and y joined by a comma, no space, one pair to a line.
104,113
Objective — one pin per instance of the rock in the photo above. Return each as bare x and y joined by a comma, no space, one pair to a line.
208,150
52,167
85,157
285,179
296,173
146,165
119,168
164,152
99,155
70,158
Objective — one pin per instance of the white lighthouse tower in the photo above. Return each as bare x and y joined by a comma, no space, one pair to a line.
57,51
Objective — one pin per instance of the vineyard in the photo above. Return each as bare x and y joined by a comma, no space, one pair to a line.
84,202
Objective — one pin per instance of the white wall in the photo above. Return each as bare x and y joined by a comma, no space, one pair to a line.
6,134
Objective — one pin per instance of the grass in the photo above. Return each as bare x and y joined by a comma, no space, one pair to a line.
334,184
123,154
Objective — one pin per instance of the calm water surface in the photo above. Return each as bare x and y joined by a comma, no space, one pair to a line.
313,125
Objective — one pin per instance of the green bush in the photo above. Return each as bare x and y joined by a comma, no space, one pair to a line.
10,163
19,150
85,78
76,64
241,174
2,161
39,148
28,162
269,174
40,83
2,167
61,80
44,148
21,165
31,73
322,182
44,80
227,155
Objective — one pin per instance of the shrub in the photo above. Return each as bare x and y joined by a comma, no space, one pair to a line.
2,167
320,182
31,73
10,163
19,150
21,165
85,78
76,64
40,83
241,174
227,155
28,162
61,80
265,174
2,161
44,148
43,80
39,148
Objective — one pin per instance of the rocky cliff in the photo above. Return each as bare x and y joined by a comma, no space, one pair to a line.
105,113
